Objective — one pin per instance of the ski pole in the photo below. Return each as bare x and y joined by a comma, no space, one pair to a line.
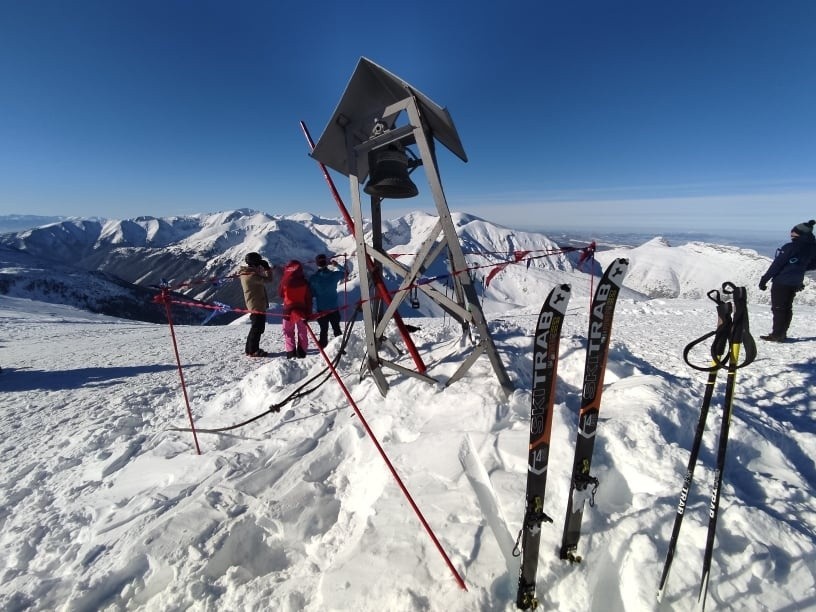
739,334
718,354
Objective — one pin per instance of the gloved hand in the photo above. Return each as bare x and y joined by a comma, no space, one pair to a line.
763,285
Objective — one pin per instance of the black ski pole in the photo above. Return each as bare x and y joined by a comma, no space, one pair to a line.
718,352
739,334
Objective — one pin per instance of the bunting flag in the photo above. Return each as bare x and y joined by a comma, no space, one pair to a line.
587,254
517,257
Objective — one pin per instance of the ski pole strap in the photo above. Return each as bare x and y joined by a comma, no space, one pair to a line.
719,347
740,329
691,345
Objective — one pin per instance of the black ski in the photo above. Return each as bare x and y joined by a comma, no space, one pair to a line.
600,331
545,364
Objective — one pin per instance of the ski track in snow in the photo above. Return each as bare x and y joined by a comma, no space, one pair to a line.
104,507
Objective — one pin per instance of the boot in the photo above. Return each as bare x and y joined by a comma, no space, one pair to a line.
774,338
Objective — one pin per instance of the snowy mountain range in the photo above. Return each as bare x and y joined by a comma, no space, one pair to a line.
61,262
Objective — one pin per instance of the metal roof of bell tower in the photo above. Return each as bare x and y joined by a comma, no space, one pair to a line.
369,92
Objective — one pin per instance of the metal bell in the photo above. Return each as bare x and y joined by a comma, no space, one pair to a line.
389,175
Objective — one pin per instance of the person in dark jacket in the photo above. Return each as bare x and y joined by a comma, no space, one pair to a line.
323,284
254,276
787,271
297,308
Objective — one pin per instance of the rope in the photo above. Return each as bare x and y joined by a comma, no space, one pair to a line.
165,298
299,392
518,257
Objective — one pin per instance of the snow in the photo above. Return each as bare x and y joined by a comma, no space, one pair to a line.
105,505
659,269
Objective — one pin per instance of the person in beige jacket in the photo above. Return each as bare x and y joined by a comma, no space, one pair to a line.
254,277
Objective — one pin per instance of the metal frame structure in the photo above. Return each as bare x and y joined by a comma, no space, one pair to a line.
380,110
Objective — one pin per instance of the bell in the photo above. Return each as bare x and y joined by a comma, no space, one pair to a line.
389,175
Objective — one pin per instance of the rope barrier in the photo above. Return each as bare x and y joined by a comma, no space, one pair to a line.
167,300
299,392
543,253
587,255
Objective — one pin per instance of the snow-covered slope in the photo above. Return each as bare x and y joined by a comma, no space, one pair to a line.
658,269
105,505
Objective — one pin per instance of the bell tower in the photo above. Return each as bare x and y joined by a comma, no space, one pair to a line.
383,130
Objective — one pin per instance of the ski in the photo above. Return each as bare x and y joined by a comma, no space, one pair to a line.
582,484
545,364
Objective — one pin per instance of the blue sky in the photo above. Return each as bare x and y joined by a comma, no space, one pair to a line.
591,115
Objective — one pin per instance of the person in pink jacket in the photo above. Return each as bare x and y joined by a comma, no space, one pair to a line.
297,308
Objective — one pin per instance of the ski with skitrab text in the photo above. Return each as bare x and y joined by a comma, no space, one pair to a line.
583,485
546,344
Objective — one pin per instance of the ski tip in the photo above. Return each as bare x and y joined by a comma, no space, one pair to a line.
617,270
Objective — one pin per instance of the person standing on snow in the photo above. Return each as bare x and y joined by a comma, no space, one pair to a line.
787,271
323,284
297,308
254,277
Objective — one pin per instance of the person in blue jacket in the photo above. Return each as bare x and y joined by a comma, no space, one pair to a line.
787,271
323,284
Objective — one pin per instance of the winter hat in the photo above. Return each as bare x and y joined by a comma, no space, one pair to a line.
804,228
253,259
321,260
